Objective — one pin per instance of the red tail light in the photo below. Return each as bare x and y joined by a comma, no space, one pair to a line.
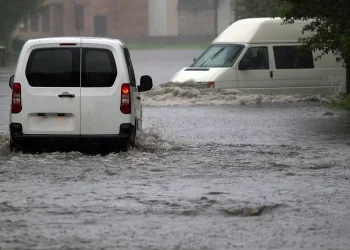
16,98
125,101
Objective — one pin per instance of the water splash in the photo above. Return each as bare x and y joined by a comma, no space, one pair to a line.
4,144
149,141
190,93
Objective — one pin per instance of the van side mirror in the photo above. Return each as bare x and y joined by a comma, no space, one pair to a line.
146,83
244,64
11,81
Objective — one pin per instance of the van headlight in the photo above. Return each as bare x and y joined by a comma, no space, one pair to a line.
211,85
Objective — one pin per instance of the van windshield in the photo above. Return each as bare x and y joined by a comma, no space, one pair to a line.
219,55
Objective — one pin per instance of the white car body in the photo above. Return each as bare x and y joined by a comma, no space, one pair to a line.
276,44
71,87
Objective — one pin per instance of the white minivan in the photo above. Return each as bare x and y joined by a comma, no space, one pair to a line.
261,55
75,89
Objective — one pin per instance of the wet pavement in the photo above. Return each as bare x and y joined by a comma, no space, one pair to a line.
211,171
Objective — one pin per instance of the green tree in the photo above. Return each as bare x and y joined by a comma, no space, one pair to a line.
256,8
12,12
329,25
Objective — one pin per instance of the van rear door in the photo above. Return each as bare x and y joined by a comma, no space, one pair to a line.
51,89
101,88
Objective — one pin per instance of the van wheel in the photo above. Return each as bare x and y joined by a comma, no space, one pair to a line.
13,147
131,141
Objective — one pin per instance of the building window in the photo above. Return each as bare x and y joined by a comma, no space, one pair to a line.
24,25
34,23
100,26
46,20
79,11
293,57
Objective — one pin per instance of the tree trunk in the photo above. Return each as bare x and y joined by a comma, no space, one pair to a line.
348,78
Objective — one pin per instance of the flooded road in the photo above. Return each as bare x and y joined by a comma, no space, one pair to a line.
211,171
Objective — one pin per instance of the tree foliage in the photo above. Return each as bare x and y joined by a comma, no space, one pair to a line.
12,12
329,24
256,8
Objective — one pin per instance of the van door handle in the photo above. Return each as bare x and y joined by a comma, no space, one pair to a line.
138,98
66,94
271,74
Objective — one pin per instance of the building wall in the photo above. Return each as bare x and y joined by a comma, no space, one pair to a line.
136,19
123,19
173,20
224,16
132,18
197,22
205,17
163,18
158,22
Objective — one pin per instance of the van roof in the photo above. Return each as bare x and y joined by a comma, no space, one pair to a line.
74,39
262,30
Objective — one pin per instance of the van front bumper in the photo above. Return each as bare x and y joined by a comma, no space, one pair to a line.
20,139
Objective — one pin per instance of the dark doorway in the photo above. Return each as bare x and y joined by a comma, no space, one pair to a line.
58,19
100,26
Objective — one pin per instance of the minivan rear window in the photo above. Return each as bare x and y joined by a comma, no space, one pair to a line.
54,67
98,69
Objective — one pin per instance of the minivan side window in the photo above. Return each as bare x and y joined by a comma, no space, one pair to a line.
293,57
99,69
256,58
130,68
54,67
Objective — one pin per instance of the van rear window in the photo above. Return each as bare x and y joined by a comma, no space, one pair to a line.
98,69
54,67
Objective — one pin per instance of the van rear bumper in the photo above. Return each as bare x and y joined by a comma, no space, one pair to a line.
19,139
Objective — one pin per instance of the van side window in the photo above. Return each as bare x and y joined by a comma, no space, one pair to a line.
99,69
256,58
293,57
130,68
54,67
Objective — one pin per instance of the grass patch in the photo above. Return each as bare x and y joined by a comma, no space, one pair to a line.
132,46
342,103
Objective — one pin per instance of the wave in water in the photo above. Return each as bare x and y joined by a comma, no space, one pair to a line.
190,93
4,144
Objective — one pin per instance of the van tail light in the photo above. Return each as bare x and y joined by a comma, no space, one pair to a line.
16,98
125,101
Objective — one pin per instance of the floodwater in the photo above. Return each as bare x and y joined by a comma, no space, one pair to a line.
212,170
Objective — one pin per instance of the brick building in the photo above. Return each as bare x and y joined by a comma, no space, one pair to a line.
130,19
106,18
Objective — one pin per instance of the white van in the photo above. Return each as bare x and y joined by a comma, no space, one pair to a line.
75,89
260,55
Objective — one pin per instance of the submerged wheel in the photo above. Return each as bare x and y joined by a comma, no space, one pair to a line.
13,147
131,141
